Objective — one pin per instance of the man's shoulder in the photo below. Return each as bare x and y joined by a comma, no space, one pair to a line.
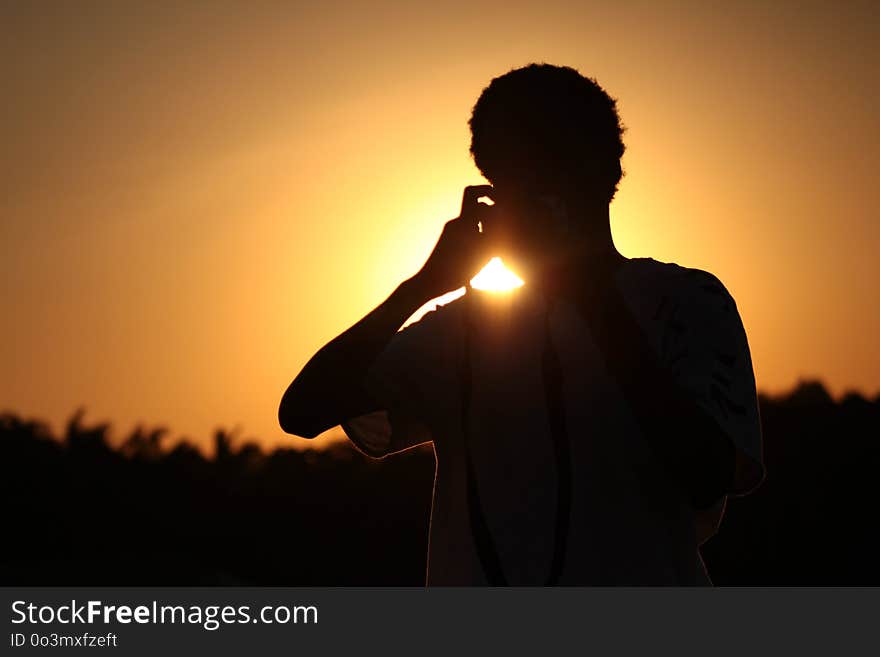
705,291
668,296
673,279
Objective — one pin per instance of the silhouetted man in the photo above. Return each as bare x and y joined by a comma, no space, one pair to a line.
589,425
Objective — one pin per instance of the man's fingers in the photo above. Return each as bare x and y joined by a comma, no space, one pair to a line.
472,193
464,233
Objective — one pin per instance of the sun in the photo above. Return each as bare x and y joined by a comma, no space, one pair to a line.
495,277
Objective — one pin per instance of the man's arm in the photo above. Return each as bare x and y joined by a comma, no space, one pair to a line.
686,439
329,390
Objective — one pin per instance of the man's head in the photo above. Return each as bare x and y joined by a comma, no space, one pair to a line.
544,128
550,142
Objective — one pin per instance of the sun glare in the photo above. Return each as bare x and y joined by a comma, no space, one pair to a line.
495,277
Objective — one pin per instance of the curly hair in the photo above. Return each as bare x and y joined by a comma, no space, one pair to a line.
543,122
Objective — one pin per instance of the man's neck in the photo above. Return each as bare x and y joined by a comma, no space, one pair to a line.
595,258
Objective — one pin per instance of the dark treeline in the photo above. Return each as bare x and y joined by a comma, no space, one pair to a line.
77,511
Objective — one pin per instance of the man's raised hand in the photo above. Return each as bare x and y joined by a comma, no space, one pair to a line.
462,249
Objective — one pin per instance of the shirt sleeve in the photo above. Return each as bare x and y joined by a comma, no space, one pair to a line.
705,346
410,378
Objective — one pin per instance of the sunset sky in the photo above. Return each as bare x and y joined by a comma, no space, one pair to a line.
198,197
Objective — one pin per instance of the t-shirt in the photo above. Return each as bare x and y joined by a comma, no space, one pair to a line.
629,523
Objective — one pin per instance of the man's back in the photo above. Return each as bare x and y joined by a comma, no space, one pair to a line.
627,521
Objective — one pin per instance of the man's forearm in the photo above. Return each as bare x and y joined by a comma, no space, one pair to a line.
685,438
328,389
360,345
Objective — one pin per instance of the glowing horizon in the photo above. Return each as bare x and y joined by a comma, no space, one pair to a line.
190,214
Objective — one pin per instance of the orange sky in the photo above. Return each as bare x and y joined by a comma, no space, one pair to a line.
195,200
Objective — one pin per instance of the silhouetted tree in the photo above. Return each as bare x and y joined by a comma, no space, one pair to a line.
149,512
